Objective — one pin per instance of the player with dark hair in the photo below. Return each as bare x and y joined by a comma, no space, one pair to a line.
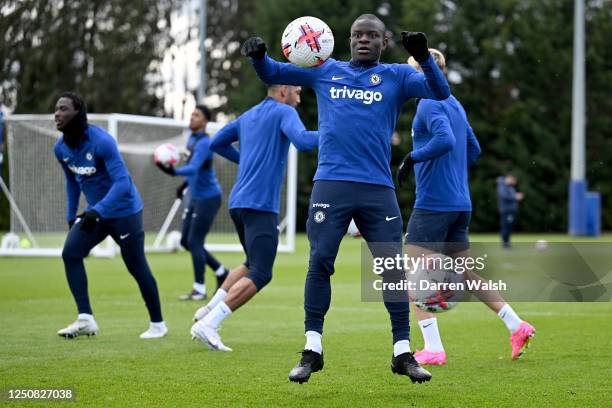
264,133
359,102
202,204
92,164
444,147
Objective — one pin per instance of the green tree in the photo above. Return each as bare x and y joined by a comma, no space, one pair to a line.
512,65
107,50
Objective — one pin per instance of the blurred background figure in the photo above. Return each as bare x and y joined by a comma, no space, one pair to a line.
507,201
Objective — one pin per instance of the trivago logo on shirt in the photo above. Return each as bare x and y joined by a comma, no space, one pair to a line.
367,97
83,170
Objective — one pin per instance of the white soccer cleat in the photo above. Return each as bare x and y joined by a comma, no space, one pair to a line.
154,332
81,327
209,336
201,313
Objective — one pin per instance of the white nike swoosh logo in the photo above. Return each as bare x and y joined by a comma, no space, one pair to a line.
391,218
335,78
124,236
66,159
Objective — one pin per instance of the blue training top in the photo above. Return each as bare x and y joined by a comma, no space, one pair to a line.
199,170
444,146
264,133
358,109
96,168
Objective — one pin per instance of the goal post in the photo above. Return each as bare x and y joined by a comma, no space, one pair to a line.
37,186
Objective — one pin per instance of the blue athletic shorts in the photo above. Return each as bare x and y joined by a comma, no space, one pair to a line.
440,231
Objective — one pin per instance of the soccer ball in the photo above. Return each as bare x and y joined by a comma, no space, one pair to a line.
541,245
432,282
166,154
307,42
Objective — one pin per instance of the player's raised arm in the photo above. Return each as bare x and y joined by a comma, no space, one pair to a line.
431,84
119,175
473,147
293,128
274,72
222,142
73,191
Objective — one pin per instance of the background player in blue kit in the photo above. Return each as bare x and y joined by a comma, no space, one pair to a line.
359,102
203,203
264,133
507,205
92,164
444,146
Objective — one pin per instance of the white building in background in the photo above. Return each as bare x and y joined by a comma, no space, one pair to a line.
180,66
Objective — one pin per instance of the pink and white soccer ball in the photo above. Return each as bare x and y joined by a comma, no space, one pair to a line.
166,154
307,42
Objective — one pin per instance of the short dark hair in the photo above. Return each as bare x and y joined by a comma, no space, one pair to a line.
205,111
77,100
371,17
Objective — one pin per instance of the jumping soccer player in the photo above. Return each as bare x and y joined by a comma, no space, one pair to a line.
444,146
92,164
264,133
359,102
203,204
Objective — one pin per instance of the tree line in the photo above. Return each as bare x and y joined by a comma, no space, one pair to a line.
509,63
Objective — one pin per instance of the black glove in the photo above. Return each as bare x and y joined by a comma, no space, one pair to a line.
89,220
416,45
254,48
168,170
181,190
70,224
404,169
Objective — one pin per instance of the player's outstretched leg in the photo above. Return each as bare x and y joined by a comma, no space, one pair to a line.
260,241
433,353
128,232
521,335
202,214
232,277
380,223
331,207
521,332
77,246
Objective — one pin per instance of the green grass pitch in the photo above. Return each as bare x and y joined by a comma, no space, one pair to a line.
568,364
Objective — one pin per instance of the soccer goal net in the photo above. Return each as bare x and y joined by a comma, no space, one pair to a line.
38,198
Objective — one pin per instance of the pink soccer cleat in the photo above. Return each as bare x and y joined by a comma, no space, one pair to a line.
425,357
519,340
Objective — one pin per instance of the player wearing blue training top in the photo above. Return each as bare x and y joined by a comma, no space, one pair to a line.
264,133
444,147
92,164
204,201
359,102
